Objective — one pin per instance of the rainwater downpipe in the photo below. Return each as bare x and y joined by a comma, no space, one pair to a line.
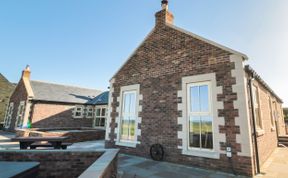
254,124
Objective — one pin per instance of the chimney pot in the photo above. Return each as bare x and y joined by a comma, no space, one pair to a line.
26,73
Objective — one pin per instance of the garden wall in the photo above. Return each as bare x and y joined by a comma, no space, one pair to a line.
75,134
66,164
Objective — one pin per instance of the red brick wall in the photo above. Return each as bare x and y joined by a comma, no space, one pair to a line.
49,115
57,164
158,66
19,94
267,137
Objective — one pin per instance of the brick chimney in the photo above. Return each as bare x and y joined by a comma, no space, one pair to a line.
164,17
26,73
26,80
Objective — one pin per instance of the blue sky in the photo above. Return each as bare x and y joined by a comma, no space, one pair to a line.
85,42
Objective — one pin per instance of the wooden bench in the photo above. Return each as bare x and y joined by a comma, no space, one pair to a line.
39,144
55,142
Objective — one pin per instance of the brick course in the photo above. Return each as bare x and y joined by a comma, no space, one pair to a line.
56,164
49,115
267,138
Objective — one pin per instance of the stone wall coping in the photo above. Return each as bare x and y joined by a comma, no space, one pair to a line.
98,168
14,169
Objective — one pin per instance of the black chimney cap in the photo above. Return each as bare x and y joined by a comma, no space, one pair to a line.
164,2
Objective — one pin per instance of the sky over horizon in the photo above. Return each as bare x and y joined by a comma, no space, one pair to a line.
84,43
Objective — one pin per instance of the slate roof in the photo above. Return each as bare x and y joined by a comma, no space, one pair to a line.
251,71
67,94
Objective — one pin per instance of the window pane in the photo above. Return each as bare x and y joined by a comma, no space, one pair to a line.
255,96
126,103
194,132
257,118
97,122
204,98
132,103
103,112
131,129
102,122
125,128
206,132
194,99
89,114
98,110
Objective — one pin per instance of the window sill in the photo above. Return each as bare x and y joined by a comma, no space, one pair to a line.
127,144
202,153
100,128
260,132
78,117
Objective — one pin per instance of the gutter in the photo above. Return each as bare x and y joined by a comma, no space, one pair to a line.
254,124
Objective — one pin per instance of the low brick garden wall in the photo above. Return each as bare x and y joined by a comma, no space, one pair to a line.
68,164
75,134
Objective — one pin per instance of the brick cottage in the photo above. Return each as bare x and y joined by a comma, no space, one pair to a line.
47,105
195,98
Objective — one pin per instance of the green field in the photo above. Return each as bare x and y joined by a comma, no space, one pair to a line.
128,130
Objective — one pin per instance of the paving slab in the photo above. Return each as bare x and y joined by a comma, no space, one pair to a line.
137,167
276,166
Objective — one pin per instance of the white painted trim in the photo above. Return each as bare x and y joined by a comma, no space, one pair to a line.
108,120
99,117
75,110
217,121
243,121
134,52
272,120
8,116
138,119
87,111
260,130
20,115
209,41
27,113
190,113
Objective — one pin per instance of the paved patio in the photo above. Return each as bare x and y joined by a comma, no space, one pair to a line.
137,167
277,165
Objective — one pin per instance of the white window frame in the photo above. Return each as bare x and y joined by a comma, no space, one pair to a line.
119,141
272,119
122,114
8,115
190,113
217,120
260,129
100,116
89,110
76,110
20,115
